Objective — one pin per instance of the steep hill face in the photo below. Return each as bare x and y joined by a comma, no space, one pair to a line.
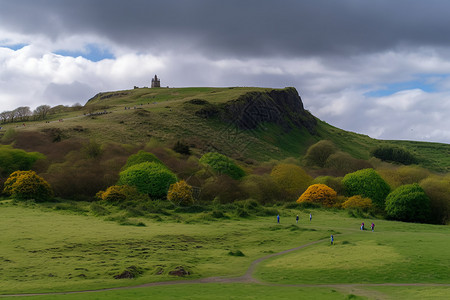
281,107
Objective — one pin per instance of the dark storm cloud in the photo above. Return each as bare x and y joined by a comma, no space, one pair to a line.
239,28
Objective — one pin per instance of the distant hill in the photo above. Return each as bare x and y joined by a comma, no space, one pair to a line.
245,123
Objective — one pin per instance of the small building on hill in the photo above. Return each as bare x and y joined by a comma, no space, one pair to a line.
156,82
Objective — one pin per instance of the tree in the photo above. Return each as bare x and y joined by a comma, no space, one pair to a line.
23,185
23,113
41,112
180,193
319,194
438,191
16,159
366,183
408,203
345,163
140,157
318,153
222,165
291,178
149,178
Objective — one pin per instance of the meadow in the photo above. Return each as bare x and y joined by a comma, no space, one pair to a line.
46,249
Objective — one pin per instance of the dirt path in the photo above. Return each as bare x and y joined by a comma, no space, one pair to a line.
248,278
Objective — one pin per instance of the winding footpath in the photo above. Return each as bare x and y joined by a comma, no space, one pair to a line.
247,278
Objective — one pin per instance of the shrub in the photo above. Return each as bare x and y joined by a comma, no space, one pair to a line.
367,183
358,202
140,157
438,191
408,203
320,194
118,194
180,193
333,182
345,163
182,148
394,154
262,188
23,185
16,159
222,165
291,178
317,154
223,189
149,178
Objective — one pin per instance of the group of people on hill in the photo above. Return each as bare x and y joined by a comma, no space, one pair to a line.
297,218
372,226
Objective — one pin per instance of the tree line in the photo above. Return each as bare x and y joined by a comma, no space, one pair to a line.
24,113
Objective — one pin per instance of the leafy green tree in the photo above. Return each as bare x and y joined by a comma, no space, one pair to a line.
16,159
140,157
367,183
291,178
149,178
222,165
317,154
408,203
319,194
24,185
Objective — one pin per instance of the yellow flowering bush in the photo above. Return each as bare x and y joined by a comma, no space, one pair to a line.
180,193
358,202
319,194
23,185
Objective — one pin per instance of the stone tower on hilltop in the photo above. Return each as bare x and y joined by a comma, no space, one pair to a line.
155,82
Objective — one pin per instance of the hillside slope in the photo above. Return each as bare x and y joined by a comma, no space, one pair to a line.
242,122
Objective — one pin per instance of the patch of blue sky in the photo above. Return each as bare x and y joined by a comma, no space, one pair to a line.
426,83
14,47
91,52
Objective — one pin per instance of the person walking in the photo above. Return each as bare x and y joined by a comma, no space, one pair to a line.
310,217
296,219
332,239
372,226
278,219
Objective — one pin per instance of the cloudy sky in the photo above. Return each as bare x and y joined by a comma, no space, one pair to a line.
380,68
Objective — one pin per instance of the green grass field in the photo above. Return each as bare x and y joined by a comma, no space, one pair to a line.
47,250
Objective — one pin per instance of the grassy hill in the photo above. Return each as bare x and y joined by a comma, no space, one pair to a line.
245,123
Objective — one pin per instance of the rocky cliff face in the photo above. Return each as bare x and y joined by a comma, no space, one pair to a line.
282,107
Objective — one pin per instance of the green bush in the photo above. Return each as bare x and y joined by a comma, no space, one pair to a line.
140,157
345,163
394,154
408,203
222,165
16,159
366,183
149,178
24,185
317,154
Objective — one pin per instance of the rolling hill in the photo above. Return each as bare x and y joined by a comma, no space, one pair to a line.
245,123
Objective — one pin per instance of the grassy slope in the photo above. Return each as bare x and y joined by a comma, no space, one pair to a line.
38,243
163,114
